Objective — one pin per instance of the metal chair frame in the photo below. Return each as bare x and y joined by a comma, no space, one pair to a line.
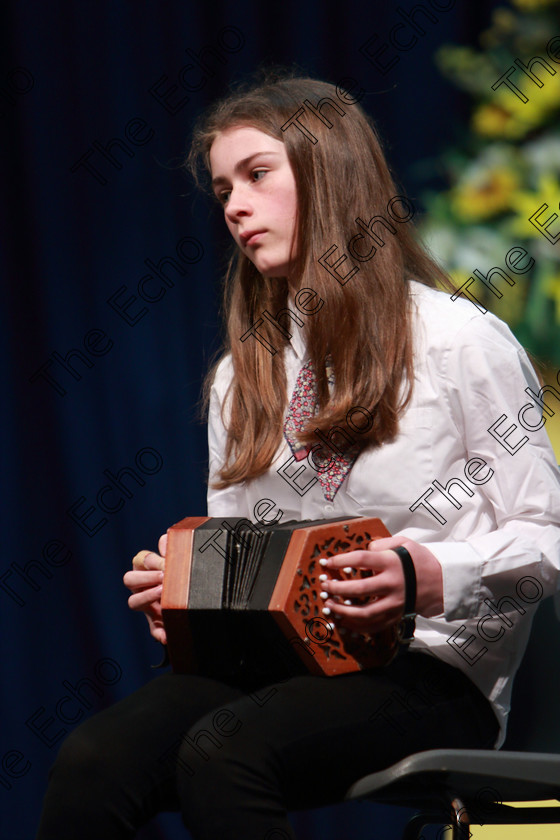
445,786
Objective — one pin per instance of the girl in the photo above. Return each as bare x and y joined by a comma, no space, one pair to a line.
349,385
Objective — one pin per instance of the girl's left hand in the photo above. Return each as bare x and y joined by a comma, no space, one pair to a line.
385,588
145,581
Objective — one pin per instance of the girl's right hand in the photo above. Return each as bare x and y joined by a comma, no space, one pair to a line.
145,583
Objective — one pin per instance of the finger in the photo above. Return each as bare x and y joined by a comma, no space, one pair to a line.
162,545
360,559
385,573
146,598
148,601
142,580
354,593
379,614
344,566
357,589
154,611
159,634
363,612
138,559
154,561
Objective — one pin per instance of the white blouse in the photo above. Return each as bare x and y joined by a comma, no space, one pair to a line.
471,475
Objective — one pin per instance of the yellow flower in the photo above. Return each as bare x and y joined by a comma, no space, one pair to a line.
540,98
486,194
508,116
527,203
493,120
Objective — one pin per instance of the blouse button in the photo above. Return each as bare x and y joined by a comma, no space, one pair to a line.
328,508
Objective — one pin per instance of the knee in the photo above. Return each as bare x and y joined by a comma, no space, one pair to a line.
220,748
84,757
217,773
209,742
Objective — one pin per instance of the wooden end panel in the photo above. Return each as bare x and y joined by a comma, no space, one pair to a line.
175,594
297,606
306,652
178,557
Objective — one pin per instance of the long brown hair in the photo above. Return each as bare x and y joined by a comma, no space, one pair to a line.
363,326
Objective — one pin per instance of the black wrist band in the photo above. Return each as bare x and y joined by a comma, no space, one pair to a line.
407,626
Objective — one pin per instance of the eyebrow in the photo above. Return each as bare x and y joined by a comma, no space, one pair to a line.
240,165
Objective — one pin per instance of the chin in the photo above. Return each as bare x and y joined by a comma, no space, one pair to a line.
270,271
273,271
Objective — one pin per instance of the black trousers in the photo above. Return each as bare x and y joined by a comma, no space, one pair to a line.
234,762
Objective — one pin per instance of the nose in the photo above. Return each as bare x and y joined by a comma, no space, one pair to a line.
238,204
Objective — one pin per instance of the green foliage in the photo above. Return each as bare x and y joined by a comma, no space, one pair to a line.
506,168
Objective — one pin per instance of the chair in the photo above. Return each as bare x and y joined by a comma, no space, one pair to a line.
463,787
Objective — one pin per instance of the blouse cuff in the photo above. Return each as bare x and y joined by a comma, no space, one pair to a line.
461,571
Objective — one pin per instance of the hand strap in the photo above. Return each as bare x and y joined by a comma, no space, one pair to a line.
407,625
165,660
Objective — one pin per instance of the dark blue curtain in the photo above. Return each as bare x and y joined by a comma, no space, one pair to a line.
111,269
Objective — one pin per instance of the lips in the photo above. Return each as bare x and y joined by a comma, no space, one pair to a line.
249,236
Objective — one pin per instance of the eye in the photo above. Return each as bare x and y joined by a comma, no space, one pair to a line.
223,196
